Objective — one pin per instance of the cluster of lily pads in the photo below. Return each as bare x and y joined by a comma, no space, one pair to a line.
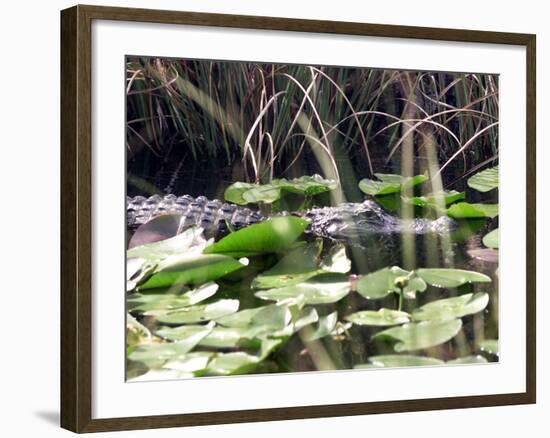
183,321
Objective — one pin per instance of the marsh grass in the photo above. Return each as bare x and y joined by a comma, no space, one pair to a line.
267,117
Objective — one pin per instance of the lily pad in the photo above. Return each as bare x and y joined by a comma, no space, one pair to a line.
315,291
389,184
491,239
402,360
465,210
193,269
302,264
325,327
273,235
306,185
186,333
420,335
157,354
436,199
243,193
158,303
381,317
485,180
451,308
381,283
489,346
200,313
192,237
136,333
240,362
443,277
467,360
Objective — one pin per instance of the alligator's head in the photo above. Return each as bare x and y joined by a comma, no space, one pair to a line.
355,221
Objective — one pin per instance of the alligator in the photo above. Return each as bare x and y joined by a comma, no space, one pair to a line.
345,222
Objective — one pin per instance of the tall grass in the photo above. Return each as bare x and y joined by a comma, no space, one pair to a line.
268,117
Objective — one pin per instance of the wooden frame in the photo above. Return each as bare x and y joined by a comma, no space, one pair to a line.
76,174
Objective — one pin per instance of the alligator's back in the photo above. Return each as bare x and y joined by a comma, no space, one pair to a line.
212,215
349,222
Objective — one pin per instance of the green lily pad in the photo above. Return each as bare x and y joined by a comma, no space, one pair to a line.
382,317
491,239
234,193
485,180
381,283
185,332
325,327
231,337
243,193
306,185
200,313
273,235
451,308
467,360
489,346
136,333
266,194
420,335
465,210
225,364
302,264
192,269
157,354
389,184
443,277
192,237
158,303
435,200
315,291
404,360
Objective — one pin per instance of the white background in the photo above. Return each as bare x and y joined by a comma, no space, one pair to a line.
112,397
30,183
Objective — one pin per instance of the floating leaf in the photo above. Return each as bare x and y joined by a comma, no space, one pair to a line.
442,277
243,193
316,291
240,362
158,303
489,346
451,308
302,264
193,269
419,335
200,313
186,333
155,355
485,180
491,239
404,360
389,184
234,193
435,200
325,327
273,235
381,283
192,237
381,317
136,333
230,337
137,270
306,185
266,194
465,210
467,360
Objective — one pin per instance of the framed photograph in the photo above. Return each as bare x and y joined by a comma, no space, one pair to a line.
268,219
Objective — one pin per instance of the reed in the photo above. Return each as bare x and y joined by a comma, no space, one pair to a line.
269,116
